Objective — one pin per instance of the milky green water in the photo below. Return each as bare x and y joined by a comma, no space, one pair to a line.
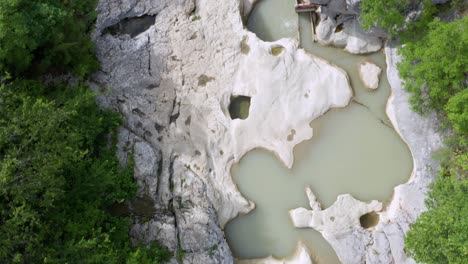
354,150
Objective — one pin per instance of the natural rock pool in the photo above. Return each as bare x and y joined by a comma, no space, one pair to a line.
354,150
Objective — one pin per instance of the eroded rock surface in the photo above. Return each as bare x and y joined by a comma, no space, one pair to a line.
337,223
172,81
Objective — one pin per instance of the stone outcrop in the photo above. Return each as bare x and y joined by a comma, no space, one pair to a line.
383,243
339,26
370,74
171,67
337,223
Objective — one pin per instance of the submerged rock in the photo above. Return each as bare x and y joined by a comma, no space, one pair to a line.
370,74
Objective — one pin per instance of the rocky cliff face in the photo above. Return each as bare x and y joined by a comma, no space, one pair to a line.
173,68
152,65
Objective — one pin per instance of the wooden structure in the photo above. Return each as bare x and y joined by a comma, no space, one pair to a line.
313,8
306,6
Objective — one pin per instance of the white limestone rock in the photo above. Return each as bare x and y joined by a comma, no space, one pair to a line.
313,202
301,256
370,75
338,224
290,89
342,216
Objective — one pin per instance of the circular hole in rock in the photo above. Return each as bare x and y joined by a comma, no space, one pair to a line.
239,107
369,220
276,50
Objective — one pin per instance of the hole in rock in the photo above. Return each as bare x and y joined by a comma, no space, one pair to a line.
339,28
239,107
140,206
276,50
291,135
132,26
369,220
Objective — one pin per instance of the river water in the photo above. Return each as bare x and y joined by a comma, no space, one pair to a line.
354,150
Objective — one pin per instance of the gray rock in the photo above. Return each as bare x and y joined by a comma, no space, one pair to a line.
339,26
200,237
161,230
147,163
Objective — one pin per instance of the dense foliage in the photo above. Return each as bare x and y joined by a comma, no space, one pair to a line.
436,61
402,19
434,69
42,35
440,234
59,175
392,21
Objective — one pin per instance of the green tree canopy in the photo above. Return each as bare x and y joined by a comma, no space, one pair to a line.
437,62
440,234
41,35
389,15
394,16
457,111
